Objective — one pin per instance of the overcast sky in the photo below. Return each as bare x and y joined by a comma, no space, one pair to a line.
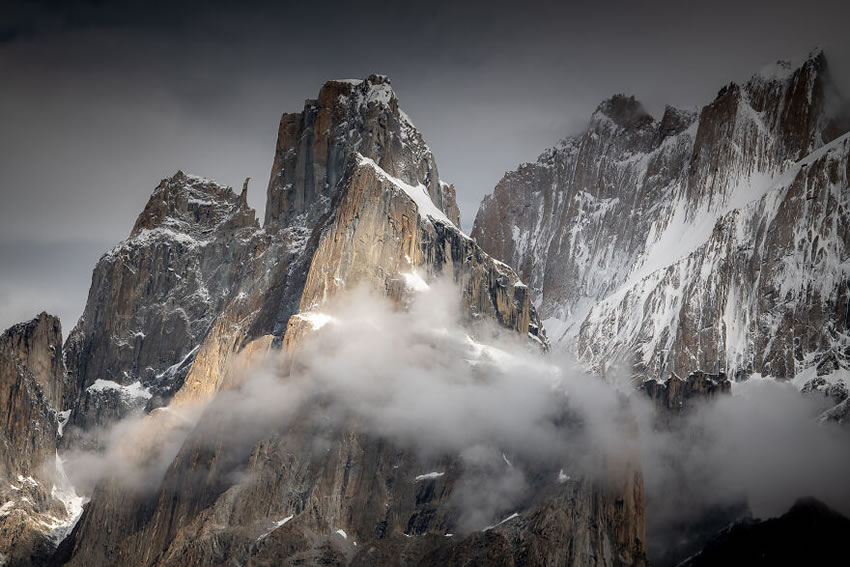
100,100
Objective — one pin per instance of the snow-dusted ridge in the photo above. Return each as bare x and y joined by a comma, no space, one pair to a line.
418,194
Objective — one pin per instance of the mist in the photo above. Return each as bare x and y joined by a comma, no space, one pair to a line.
430,380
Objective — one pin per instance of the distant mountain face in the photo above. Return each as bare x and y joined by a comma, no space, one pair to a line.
354,200
705,243
713,240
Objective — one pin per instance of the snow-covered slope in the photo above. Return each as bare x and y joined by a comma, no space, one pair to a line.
711,240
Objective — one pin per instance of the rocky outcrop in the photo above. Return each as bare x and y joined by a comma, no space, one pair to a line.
675,394
32,379
354,201
349,116
708,240
154,298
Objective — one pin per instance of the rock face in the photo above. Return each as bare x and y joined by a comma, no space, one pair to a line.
675,394
348,116
709,241
786,540
354,200
154,297
32,380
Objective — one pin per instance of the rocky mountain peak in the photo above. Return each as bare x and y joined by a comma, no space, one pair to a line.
625,111
784,69
194,206
632,215
37,345
676,120
348,117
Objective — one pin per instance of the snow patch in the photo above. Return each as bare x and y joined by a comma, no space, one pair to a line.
508,519
316,319
418,194
134,391
414,281
428,476
64,491
277,524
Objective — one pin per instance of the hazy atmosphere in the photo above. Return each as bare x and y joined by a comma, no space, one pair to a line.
424,283
101,100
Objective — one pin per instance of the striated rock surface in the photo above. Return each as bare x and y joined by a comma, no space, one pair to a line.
354,200
313,147
32,511
154,298
709,241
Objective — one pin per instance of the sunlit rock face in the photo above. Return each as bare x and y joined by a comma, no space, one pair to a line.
348,116
153,299
32,511
354,202
711,240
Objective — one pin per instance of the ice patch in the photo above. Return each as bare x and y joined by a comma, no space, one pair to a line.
428,476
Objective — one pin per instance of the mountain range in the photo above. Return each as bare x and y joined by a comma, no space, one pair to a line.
673,257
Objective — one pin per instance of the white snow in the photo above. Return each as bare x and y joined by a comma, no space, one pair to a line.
563,477
418,194
6,508
428,476
508,519
316,319
414,281
65,493
132,391
342,533
63,417
27,480
277,524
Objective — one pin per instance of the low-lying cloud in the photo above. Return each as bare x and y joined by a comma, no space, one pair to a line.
432,382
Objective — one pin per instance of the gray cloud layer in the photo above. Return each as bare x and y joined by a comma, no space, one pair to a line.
101,100
508,412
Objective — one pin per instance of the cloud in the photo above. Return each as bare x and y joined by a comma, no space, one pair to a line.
425,380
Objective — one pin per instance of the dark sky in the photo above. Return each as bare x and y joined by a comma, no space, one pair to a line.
100,100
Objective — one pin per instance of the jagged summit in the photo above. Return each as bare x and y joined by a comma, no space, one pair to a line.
348,117
625,111
193,205
640,241
676,120
782,69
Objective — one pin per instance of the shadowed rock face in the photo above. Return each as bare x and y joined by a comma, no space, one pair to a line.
153,299
712,240
354,200
809,533
31,387
675,394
